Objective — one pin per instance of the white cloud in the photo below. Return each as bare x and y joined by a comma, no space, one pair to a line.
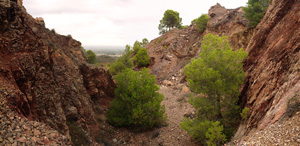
116,22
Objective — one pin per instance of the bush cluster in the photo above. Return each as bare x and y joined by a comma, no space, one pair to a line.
123,62
201,22
142,58
137,102
255,11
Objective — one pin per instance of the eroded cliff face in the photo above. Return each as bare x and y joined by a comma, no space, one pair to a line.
273,67
173,50
44,75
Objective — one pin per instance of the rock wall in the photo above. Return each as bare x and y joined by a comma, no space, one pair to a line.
44,76
273,67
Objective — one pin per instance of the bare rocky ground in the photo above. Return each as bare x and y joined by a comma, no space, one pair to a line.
285,132
17,131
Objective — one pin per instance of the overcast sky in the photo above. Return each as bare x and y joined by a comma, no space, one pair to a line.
116,22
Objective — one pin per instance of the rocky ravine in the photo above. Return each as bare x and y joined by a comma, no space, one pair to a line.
44,76
272,69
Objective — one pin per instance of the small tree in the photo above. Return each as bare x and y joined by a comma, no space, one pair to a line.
137,101
170,20
142,58
91,56
201,22
144,42
255,11
136,46
122,62
217,74
139,45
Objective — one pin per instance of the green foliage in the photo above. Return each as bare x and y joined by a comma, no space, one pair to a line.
170,20
196,128
183,26
245,113
91,56
142,58
144,42
139,45
122,62
201,22
137,101
136,46
255,11
215,134
217,74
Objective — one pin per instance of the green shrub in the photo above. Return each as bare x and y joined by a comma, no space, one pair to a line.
142,58
217,74
136,46
245,113
91,56
183,26
139,45
196,128
123,62
255,11
137,101
215,135
201,22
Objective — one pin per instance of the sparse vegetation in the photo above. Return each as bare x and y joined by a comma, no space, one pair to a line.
201,22
255,11
217,74
122,62
78,136
105,59
245,113
137,101
158,41
183,26
293,106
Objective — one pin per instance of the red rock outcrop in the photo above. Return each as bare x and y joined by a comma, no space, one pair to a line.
44,76
273,67
173,50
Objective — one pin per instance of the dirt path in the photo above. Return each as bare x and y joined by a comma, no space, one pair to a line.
176,106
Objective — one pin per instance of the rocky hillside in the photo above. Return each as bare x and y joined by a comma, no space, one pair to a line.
272,85
173,50
44,77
